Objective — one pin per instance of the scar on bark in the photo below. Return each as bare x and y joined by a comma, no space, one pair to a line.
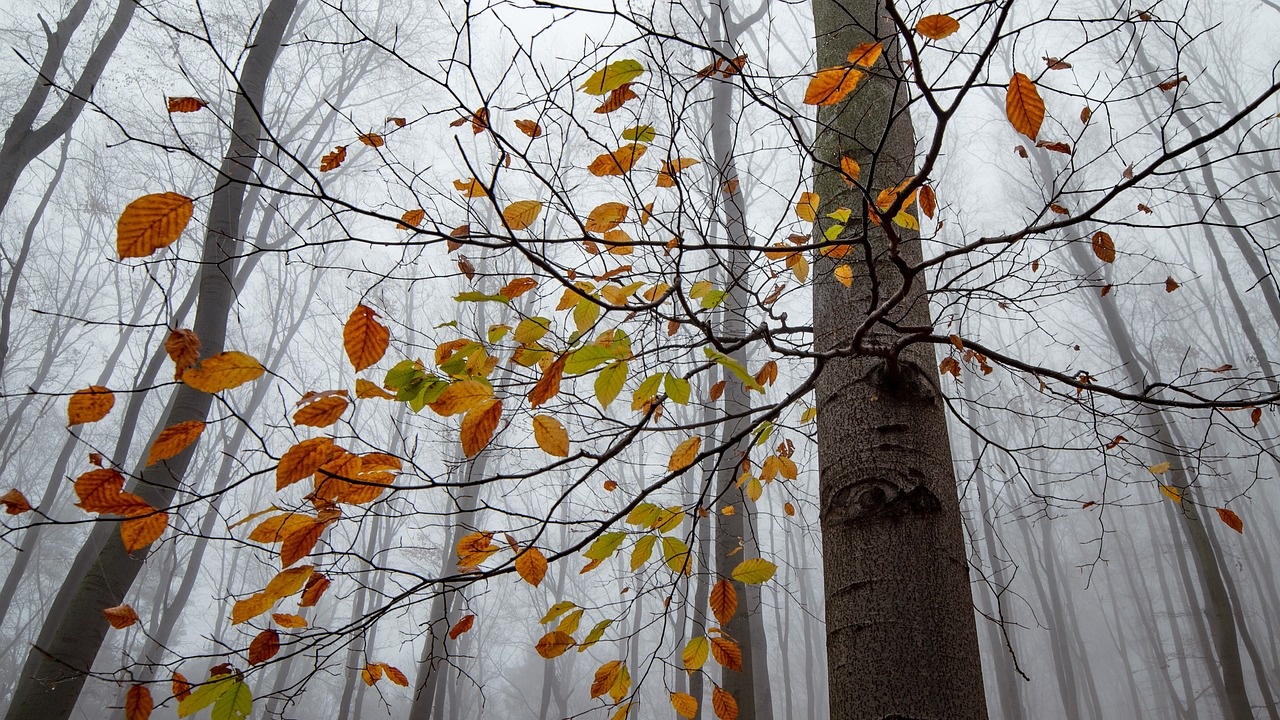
884,495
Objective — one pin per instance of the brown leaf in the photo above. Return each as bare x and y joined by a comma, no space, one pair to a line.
529,127
1023,106
14,502
1170,285
521,214
478,426
364,338
1232,520
315,588
617,98
1056,63
395,676
411,219
289,621
936,27
1172,83
397,121
180,687
89,405
333,159
549,385
371,139
264,647
1055,146
554,644
464,624
186,104
1085,114
480,121
183,348
1103,247
137,701
366,390
174,439
120,616
518,287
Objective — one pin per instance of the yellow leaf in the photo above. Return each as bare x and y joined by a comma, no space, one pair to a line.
1159,469
695,653
605,678
532,566
844,274
550,436
371,673
685,704
521,214
618,162
1023,106
866,54
830,85
251,607
936,27
807,207
287,620
754,571
612,76
478,426
288,582
556,611
1172,493
685,454
173,440
89,405
152,222
223,371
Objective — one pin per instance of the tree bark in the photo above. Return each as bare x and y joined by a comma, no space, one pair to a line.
901,636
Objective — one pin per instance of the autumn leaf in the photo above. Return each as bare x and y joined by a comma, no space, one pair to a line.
139,532
754,571
695,652
831,85
722,702
532,566
554,644
616,100
529,127
685,454
928,202
371,673
303,459
1170,285
14,502
1159,469
461,396
937,27
612,76
464,624
478,426
517,287
183,348
866,54
186,104
1103,247
724,601
550,436
89,405
366,390
548,386
152,222
313,590
521,214
727,653
606,217
605,677
224,371
300,543
289,621
332,160
180,687
138,703
671,168
685,705
264,647
1172,493
618,162
174,439
120,616
807,207
1232,520
395,675
1023,106
364,338
412,219
251,607
371,139
323,412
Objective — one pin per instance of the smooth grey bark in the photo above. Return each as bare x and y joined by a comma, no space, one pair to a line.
901,635
27,137
58,663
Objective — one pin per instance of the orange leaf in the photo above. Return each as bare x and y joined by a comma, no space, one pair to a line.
333,159
605,677
138,703
532,566
183,348
724,601
518,287
140,532
180,687
464,624
364,338
727,653
395,676
289,621
928,201
461,396
725,706
1104,247
606,217
936,27
251,607
1232,520
470,188
371,673
120,616
372,139
554,644
412,219
300,543
478,426
96,488
186,104
831,85
14,502
549,385
529,127
366,390
304,459
617,98
321,413
89,405
314,589
223,371
619,161
1023,106
685,704
521,214
264,647
550,436
152,222
849,169
173,440
866,54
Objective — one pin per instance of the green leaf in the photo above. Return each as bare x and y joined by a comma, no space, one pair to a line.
404,374
763,432
585,314
754,571
594,636
204,696
497,332
476,296
841,215
676,388
640,133
643,515
609,383
604,546
832,232
713,298
235,704
531,330
587,358
734,367
676,553
643,550
612,76
669,519
556,611
647,391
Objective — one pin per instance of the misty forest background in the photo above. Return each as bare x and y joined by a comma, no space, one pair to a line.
1090,591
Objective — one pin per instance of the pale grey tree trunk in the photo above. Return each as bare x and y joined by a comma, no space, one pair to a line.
57,665
901,636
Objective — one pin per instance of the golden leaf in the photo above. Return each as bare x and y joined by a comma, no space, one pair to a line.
724,601
723,703
366,390
223,371
478,426
532,566
829,86
289,621
1023,106
521,214
251,607
550,436
89,405
619,161
936,27
321,413
694,655
174,439
364,338
685,704
299,543
139,532
152,222
866,54
807,207
606,217
304,459
685,454
554,644
461,396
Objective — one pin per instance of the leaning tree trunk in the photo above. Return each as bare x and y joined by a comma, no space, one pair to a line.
901,636
58,664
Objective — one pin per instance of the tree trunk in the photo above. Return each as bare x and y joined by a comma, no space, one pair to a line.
57,665
901,636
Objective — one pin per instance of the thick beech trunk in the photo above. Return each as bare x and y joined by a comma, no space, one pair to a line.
901,636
